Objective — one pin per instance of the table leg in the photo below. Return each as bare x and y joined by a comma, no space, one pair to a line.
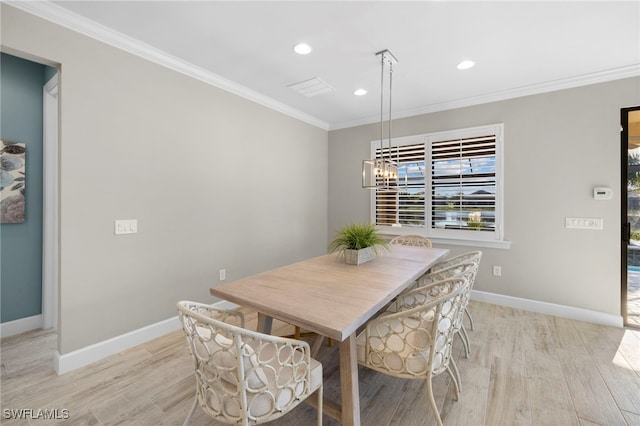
349,382
264,323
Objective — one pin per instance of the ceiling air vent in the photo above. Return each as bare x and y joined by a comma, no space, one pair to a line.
312,87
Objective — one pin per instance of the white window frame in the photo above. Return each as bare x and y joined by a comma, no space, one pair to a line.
494,239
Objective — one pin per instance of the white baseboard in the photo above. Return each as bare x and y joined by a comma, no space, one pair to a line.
21,325
85,356
89,354
562,311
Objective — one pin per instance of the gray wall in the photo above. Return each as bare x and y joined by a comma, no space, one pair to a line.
215,181
557,147
188,161
21,84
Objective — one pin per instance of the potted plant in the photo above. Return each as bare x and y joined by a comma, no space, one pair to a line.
475,220
358,242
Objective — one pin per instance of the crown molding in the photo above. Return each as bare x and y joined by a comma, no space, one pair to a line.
63,17
533,89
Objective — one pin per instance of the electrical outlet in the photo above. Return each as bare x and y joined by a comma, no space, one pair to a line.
223,274
497,271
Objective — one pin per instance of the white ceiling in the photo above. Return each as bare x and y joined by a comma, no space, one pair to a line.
519,48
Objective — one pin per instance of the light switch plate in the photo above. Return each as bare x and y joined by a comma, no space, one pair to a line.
584,223
128,226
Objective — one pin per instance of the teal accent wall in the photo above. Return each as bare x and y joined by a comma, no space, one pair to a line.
21,109
49,72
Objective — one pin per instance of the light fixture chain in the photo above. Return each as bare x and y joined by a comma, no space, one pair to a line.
382,107
390,97
381,172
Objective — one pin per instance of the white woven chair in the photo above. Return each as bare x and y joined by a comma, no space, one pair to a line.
448,272
415,343
242,376
411,240
428,289
472,256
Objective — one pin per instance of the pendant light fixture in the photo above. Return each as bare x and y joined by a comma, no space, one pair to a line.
381,172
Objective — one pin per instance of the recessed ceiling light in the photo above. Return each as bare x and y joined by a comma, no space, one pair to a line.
302,48
360,92
465,65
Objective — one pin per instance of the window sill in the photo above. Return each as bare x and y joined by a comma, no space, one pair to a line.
505,245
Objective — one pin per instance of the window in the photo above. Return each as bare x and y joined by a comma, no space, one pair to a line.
450,185
405,206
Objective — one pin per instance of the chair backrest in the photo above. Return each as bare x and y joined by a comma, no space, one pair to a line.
243,376
430,285
416,342
467,269
471,256
411,240
426,294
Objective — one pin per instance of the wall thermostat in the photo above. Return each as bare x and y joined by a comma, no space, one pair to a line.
602,193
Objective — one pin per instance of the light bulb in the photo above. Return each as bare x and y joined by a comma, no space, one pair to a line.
465,65
302,49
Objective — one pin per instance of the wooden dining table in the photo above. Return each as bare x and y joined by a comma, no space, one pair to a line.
331,298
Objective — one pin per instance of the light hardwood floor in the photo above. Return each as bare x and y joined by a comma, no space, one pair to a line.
524,369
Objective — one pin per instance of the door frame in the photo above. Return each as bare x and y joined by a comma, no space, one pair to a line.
50,254
626,226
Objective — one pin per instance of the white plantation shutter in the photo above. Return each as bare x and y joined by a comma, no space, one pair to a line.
405,205
450,184
463,183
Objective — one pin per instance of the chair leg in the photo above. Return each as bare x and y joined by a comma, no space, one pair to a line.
467,345
455,381
466,311
320,400
462,333
456,377
193,410
432,401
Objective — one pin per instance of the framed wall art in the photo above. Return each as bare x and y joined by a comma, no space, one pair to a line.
12,182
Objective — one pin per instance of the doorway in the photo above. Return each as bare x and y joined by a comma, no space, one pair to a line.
630,291
23,272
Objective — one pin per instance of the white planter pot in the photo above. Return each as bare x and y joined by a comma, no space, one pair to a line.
356,257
